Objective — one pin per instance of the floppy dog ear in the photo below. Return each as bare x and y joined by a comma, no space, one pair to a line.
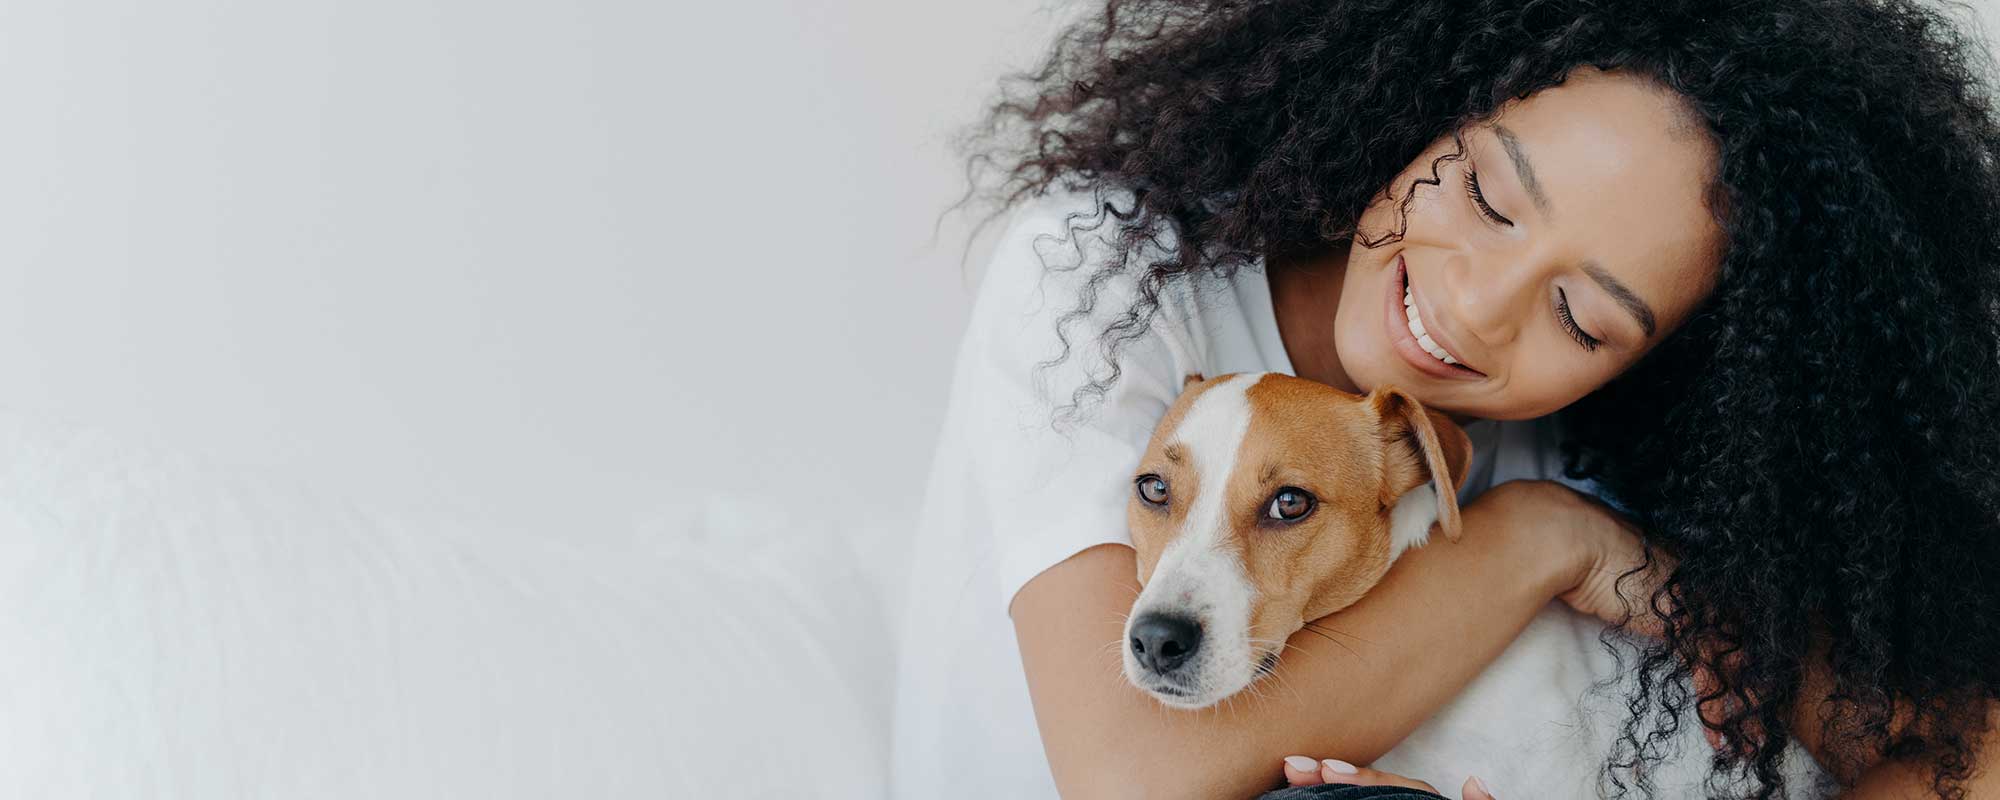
1191,379
1421,446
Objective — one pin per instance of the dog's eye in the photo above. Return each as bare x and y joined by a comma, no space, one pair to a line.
1153,489
1290,504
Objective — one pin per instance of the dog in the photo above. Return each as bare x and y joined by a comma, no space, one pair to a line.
1265,501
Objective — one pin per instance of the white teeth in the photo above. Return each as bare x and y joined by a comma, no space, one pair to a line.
1424,339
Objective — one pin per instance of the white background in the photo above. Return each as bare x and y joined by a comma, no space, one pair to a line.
554,261
559,261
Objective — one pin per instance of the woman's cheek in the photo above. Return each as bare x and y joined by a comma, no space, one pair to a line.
1544,386
1577,378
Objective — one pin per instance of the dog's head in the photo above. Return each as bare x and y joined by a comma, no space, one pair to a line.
1265,501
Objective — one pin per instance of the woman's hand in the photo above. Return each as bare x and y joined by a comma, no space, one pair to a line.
1593,543
1600,545
1303,771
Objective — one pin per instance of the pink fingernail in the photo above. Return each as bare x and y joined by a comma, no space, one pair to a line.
1482,787
1340,766
1301,763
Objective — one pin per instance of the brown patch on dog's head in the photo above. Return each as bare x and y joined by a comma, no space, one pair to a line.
1419,446
1308,436
1353,456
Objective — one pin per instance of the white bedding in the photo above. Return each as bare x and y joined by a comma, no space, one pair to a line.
175,630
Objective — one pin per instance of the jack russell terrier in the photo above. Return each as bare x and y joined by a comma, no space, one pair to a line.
1265,501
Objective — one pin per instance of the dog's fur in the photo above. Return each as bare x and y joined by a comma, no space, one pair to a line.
1381,469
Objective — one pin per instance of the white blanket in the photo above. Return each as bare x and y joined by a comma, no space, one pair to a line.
175,630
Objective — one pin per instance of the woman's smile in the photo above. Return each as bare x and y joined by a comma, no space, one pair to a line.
1406,311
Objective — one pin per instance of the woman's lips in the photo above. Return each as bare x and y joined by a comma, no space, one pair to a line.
1404,343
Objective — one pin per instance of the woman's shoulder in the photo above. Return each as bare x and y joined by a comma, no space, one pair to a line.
1017,468
1526,449
1058,244
1055,292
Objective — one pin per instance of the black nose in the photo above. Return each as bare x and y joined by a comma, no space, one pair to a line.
1161,643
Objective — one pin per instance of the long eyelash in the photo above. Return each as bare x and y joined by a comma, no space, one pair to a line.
1562,303
1479,198
1562,310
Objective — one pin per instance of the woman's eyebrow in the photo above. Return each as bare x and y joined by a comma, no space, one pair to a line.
1524,170
1618,291
1624,295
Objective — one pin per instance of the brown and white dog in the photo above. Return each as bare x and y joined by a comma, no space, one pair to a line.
1265,501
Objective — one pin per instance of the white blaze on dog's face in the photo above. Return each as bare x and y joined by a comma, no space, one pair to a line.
1265,501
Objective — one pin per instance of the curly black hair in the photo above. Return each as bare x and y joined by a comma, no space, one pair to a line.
1818,446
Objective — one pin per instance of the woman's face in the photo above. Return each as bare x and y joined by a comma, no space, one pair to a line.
1601,247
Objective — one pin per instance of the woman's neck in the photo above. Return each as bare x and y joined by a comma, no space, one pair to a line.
1305,296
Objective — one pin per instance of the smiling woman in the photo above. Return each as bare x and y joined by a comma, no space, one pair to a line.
1523,249
1520,278
1732,266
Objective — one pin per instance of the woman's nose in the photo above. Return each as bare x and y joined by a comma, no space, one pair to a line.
1490,296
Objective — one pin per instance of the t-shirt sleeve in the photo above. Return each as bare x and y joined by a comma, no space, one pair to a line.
1549,438
1051,492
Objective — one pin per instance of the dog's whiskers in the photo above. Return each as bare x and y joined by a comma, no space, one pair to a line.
1268,668
1331,629
1315,630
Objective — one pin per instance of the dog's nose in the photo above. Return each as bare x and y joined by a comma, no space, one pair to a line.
1161,643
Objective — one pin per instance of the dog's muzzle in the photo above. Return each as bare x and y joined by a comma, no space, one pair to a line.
1161,643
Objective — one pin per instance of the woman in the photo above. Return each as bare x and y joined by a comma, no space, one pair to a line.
1733,261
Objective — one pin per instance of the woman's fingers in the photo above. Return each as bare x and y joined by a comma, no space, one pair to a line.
1716,706
1334,771
1302,771
1475,789
1712,712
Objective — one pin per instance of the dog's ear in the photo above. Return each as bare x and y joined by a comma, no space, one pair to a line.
1421,445
1191,379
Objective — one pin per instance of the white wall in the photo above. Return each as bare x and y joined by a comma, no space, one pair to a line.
558,260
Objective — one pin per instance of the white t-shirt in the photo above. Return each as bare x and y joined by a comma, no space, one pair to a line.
1009,496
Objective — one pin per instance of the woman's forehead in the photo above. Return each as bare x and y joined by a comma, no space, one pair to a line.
1608,165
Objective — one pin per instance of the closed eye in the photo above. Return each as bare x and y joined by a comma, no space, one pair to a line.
1479,198
1568,320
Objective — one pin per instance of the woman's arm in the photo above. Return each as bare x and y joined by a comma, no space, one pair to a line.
1911,780
1440,615
1883,778
1906,779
